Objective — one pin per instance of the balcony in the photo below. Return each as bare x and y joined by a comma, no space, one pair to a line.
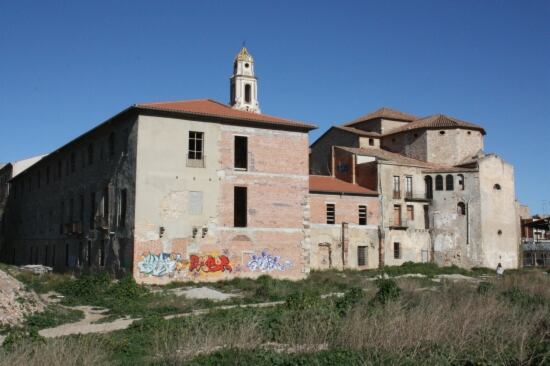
396,195
418,196
398,223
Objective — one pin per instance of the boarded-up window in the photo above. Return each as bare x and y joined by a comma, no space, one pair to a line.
102,252
426,217
362,215
396,250
240,207
195,203
331,213
397,215
361,255
241,152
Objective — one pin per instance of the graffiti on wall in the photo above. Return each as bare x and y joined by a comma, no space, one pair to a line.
209,263
161,264
266,262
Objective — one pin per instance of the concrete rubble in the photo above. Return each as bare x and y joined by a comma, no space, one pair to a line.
15,301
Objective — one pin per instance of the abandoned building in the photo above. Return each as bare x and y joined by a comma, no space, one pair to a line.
201,190
442,198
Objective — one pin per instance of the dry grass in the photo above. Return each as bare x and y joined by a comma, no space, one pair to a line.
68,351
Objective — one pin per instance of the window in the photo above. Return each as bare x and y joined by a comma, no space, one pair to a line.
396,250
410,212
122,208
89,253
371,142
247,93
439,183
429,186
90,154
92,210
449,182
241,152
102,253
106,202
441,132
61,217
409,186
461,208
195,145
331,213
397,215
80,256
460,182
59,166
361,255
48,174
71,210
396,187
497,187
240,206
73,162
81,207
195,202
66,254
362,215
426,217
112,144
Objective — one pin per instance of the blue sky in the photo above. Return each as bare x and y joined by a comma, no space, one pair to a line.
65,66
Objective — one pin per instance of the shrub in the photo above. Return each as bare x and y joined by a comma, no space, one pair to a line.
484,287
351,298
387,291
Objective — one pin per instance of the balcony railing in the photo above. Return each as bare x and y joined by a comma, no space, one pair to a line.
418,196
398,223
396,195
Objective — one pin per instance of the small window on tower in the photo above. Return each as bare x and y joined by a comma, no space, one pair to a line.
246,65
247,93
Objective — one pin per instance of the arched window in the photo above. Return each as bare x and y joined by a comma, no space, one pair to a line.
438,183
429,186
461,208
449,182
461,182
247,90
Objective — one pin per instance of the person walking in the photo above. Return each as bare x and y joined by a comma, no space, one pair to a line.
500,270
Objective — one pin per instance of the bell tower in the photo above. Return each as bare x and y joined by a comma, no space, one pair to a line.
244,85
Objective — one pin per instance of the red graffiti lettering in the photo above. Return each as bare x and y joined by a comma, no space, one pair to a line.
209,264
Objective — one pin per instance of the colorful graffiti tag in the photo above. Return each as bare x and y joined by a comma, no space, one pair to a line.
209,263
266,262
160,265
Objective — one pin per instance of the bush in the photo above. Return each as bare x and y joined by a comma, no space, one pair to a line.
351,298
523,299
387,291
484,287
53,316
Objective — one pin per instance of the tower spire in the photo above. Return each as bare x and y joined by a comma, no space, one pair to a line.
244,84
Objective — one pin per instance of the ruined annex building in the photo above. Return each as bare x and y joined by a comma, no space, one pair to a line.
201,190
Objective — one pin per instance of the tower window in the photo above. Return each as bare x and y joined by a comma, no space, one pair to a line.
441,132
247,65
497,187
362,215
461,208
371,142
241,152
449,182
247,93
240,206
331,213
460,181
439,183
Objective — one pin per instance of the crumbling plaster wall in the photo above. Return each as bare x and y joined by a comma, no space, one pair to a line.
500,232
326,239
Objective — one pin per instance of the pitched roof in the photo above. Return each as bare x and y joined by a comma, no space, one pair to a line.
436,121
328,184
359,132
383,112
402,159
212,108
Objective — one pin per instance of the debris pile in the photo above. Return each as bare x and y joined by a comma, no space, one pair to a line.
15,301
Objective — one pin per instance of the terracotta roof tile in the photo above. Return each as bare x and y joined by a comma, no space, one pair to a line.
383,113
328,184
212,108
436,121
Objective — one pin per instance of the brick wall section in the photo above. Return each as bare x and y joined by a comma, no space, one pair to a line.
343,165
366,175
347,208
